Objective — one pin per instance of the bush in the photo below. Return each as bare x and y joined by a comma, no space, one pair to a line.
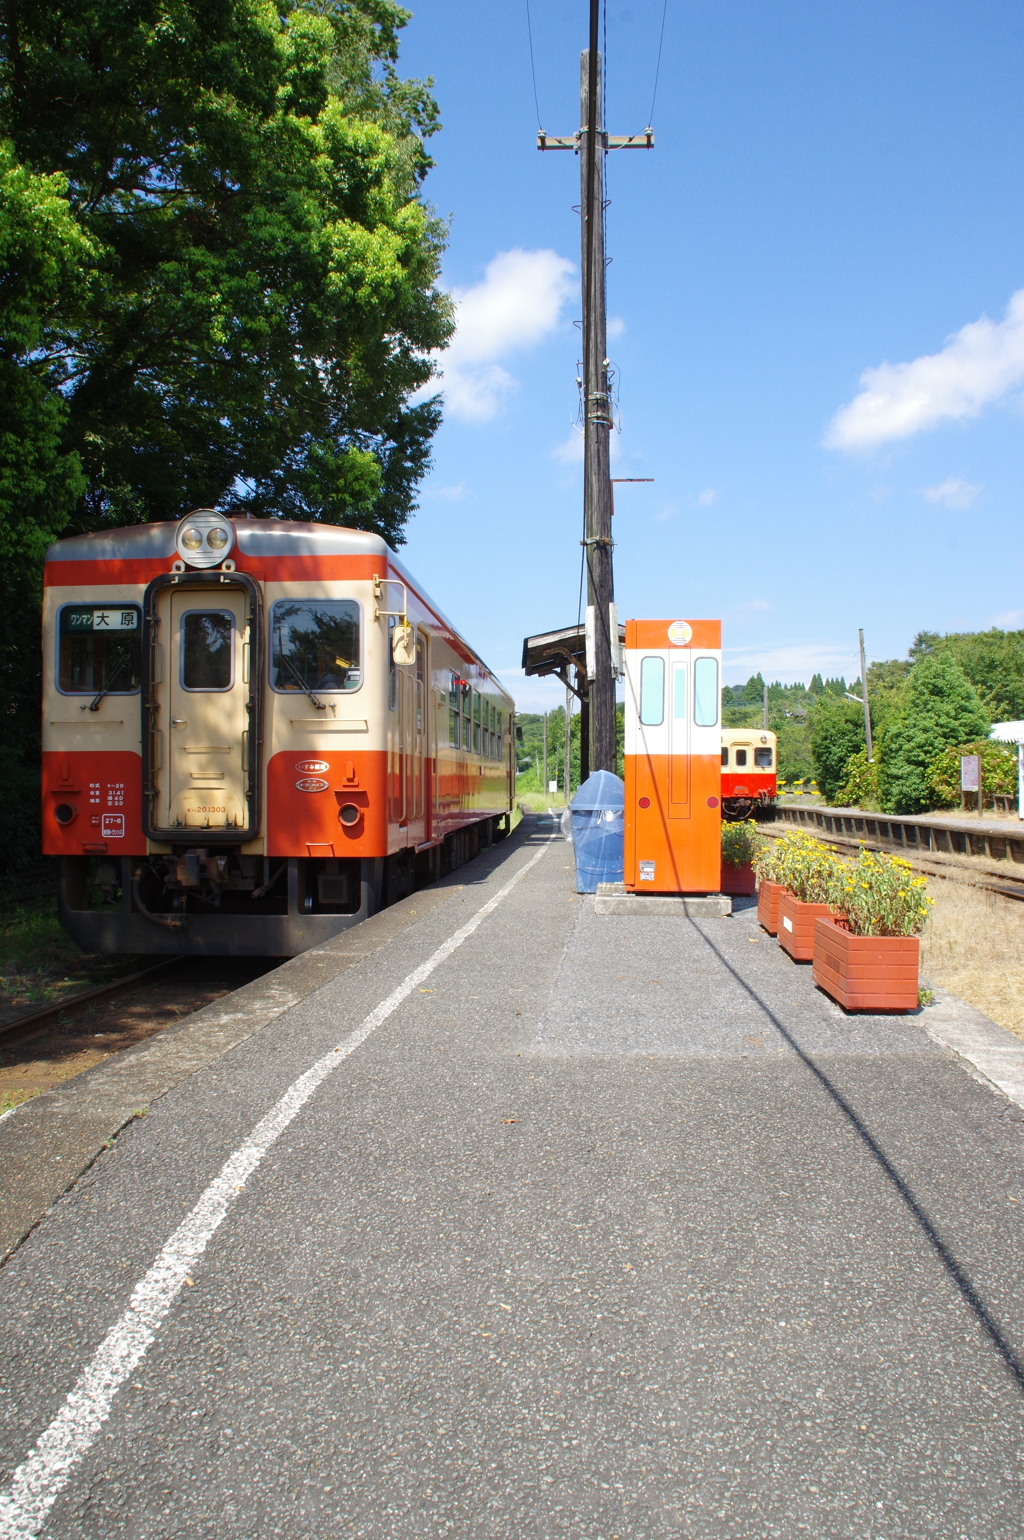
940,708
998,772
860,789
837,732
880,896
741,842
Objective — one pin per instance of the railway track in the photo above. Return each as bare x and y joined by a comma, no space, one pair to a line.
24,1027
972,870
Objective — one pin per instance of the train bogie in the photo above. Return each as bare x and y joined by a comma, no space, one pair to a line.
255,734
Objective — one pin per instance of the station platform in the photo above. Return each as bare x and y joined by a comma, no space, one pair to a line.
500,1217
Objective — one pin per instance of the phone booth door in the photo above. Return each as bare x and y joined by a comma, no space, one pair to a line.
673,756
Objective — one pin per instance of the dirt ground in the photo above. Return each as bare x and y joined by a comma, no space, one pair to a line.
97,1032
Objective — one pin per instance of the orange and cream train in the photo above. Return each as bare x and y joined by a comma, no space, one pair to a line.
749,767
673,746
255,734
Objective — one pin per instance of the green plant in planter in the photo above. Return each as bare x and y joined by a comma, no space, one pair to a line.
880,896
741,842
810,870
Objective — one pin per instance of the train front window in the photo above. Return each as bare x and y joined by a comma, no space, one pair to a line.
763,759
725,756
99,649
741,759
314,645
206,649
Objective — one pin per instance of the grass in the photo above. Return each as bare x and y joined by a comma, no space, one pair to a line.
974,946
39,963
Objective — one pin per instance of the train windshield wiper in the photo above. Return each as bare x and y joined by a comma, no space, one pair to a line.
318,705
94,705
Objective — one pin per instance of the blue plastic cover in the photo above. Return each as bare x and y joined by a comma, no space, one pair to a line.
599,791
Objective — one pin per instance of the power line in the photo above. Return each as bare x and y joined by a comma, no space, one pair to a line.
657,70
533,72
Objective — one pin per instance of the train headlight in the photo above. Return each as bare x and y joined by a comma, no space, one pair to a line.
350,814
204,538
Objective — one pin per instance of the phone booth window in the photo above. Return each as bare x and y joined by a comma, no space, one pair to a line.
679,692
705,692
652,691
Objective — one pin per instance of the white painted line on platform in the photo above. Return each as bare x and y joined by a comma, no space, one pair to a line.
39,1480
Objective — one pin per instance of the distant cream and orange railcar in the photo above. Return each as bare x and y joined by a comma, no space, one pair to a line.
256,733
749,769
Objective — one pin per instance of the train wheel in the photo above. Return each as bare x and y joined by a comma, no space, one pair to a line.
736,809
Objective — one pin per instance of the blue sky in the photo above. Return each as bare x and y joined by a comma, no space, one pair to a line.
819,356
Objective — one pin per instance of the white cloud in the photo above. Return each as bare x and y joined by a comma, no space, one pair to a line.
616,328
454,494
980,363
570,450
517,304
791,665
707,497
952,493
1012,620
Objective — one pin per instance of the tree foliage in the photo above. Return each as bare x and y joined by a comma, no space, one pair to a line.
262,272
998,771
837,733
940,708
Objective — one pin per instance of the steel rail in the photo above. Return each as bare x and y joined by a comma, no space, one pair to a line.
27,1026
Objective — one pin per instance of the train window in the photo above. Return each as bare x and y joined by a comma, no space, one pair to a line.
453,690
476,723
467,722
99,649
421,665
705,692
763,759
725,754
741,757
652,691
314,645
207,649
453,728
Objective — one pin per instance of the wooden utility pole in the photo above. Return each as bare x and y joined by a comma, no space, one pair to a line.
591,143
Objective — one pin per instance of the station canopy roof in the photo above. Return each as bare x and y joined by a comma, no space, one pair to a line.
1007,732
552,651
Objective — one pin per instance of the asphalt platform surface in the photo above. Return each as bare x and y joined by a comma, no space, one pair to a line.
615,1228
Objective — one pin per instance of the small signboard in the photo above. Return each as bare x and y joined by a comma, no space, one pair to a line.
970,772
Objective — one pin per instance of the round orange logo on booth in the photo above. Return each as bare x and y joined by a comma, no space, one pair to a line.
679,633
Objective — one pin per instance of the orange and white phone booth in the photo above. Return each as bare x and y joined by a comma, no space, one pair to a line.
673,756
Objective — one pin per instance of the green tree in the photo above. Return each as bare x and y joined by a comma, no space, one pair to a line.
998,771
837,733
264,298
939,708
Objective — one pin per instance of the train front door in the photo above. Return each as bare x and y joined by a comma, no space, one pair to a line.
201,709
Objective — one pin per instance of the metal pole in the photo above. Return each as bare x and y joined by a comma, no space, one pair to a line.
864,698
568,744
597,489
544,784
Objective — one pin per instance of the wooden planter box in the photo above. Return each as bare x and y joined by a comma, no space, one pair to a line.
866,973
768,906
737,879
796,925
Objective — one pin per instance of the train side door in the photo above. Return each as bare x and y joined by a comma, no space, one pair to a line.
201,709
